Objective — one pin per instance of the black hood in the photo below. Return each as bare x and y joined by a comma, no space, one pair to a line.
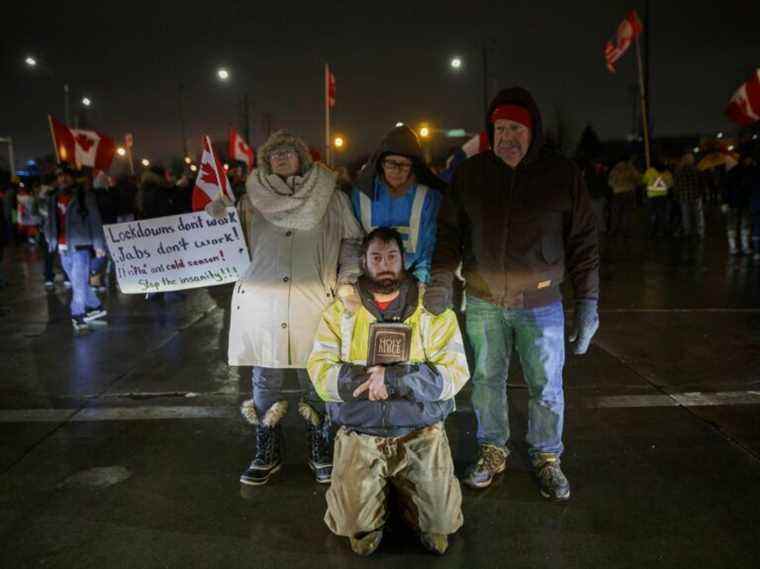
402,141
404,305
523,98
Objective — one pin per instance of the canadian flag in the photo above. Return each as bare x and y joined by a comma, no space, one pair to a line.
330,87
238,149
82,147
628,30
211,179
744,106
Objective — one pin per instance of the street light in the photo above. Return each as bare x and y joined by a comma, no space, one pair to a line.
399,124
32,63
720,135
193,168
456,63
188,160
424,132
121,151
223,74
145,162
338,142
86,101
696,150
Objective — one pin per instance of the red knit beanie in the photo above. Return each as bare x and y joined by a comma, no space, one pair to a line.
514,113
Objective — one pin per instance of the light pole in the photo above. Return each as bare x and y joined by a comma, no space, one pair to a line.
244,118
11,158
457,64
33,63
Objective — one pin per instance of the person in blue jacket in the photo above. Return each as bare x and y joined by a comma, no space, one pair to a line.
396,189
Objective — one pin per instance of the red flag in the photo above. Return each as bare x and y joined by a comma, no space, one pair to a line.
628,30
82,147
238,149
330,88
211,179
744,106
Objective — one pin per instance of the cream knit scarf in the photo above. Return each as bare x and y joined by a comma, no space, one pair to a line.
299,202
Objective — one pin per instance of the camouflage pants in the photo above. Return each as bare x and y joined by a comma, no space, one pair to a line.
417,465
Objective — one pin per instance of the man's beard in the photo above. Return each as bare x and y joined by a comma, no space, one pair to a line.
386,283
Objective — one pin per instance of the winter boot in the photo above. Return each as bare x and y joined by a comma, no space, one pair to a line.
268,459
319,431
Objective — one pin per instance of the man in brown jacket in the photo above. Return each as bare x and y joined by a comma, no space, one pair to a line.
518,218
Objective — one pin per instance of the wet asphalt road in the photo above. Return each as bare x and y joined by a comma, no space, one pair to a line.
123,448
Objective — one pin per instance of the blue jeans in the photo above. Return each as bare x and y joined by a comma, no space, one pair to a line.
267,389
693,217
77,266
538,336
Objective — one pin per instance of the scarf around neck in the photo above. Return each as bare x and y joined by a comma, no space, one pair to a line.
298,202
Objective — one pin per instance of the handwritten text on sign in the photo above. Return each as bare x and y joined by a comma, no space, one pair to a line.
177,252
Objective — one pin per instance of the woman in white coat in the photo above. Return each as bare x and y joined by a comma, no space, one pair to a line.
304,242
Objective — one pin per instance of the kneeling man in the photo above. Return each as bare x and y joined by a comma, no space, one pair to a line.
389,371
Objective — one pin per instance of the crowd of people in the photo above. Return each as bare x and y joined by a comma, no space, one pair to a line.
334,265
331,270
41,216
676,193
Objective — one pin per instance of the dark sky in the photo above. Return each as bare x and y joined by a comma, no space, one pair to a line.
390,60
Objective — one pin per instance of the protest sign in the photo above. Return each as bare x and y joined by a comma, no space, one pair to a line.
177,252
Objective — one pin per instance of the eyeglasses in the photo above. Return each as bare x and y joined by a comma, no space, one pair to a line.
397,166
282,154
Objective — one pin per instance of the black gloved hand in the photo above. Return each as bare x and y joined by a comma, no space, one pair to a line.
585,325
436,299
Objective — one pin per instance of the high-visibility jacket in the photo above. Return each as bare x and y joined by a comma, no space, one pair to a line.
422,391
657,183
413,215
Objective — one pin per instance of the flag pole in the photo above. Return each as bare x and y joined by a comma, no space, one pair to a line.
327,114
643,97
52,137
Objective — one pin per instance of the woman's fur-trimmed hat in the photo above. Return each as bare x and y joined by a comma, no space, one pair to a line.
279,140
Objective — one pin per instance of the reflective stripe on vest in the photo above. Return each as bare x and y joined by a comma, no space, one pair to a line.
657,188
412,231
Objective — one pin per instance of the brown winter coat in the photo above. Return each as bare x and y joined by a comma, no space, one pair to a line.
518,231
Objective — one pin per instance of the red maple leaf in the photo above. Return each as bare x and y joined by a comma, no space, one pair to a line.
208,175
241,147
84,141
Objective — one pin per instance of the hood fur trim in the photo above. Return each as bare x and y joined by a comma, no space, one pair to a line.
273,415
283,138
309,413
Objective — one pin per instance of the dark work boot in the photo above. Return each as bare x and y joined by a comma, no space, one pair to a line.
268,459
552,482
492,460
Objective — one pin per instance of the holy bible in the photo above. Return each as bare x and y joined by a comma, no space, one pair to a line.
389,343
